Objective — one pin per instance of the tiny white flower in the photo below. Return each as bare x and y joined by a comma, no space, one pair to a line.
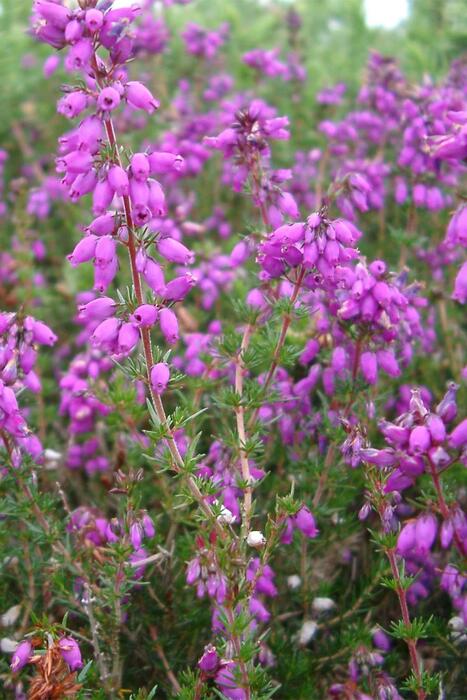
52,458
294,582
307,632
226,516
256,539
10,616
322,604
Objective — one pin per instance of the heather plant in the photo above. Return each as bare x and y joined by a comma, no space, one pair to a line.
232,381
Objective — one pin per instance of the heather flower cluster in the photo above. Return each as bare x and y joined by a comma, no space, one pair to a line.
232,362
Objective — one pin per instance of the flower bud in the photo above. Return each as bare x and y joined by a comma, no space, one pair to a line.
406,540
426,527
256,539
140,166
161,162
382,458
305,522
108,99
419,440
139,97
145,315
118,181
41,333
388,363
154,276
148,526
106,332
72,104
178,288
128,338
105,250
369,367
446,533
83,251
458,437
160,375
136,535
169,325
209,662
94,19
174,251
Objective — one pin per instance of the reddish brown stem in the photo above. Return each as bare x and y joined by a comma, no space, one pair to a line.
412,646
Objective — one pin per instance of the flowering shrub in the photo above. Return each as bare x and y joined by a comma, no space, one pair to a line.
231,373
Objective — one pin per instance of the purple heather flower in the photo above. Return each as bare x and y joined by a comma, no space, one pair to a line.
136,535
406,540
458,437
160,376
420,440
209,662
21,655
169,325
94,19
41,333
426,527
118,181
305,522
140,97
154,276
128,338
71,653
145,315
226,680
72,104
140,166
369,367
460,285
174,251
148,526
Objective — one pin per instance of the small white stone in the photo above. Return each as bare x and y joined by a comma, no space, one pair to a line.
307,632
337,519
8,645
52,455
294,582
10,616
322,604
256,539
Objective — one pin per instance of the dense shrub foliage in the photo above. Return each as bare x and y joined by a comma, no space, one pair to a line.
232,381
